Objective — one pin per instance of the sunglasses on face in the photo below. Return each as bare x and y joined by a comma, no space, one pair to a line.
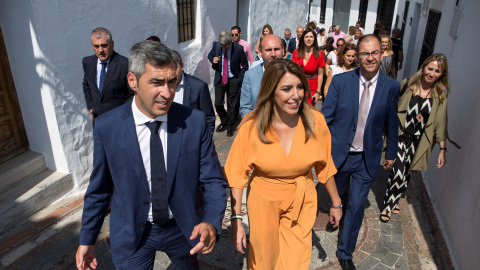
234,35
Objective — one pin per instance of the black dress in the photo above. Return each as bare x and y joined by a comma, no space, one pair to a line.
417,117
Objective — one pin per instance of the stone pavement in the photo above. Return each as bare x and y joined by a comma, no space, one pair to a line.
411,240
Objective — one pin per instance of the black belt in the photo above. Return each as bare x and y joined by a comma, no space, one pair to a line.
170,223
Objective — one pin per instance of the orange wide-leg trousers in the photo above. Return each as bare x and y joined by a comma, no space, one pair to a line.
281,214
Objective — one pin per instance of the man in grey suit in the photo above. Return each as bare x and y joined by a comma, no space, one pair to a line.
271,48
193,92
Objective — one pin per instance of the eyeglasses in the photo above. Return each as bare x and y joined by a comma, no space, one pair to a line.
365,55
234,35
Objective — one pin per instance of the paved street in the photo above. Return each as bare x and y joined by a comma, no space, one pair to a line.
411,240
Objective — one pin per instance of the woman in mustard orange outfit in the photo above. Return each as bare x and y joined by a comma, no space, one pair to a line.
282,140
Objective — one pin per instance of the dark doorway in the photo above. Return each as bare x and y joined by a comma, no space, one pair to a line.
385,12
13,137
430,35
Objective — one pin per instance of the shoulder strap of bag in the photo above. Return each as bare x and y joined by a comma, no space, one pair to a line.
404,88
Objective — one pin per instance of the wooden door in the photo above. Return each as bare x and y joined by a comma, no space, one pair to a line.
13,137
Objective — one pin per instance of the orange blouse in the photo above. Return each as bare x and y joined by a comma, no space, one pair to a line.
248,152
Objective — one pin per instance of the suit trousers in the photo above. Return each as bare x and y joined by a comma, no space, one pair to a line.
167,238
232,89
352,175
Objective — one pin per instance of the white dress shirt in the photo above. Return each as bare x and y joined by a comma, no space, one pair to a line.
99,70
179,92
143,135
372,93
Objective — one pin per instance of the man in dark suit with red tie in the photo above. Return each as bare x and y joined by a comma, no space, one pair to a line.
105,75
230,63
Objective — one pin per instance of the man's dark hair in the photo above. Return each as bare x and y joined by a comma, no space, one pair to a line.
363,38
154,38
236,27
177,57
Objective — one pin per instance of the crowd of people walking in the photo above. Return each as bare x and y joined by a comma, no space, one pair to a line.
324,105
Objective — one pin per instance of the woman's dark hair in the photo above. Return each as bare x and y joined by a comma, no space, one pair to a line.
301,44
329,41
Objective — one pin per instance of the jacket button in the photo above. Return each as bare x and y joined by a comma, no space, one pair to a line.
142,224
146,203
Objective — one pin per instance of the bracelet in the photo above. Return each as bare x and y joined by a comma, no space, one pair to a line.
318,92
443,148
337,207
237,216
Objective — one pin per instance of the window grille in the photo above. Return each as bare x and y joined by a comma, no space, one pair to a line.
185,20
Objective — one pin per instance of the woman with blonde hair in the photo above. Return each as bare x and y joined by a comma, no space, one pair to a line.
281,200
266,30
422,114
387,66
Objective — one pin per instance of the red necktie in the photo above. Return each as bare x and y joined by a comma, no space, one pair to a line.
225,68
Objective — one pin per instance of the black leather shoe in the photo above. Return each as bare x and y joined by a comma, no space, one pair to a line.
221,128
346,264
330,228
230,133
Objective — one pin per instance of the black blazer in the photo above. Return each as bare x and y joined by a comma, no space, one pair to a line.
197,96
115,88
238,63
292,45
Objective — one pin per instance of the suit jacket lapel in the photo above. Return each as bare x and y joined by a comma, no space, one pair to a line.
376,98
187,89
129,134
93,72
174,131
111,70
355,89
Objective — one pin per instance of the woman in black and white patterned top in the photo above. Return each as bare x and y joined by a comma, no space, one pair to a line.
422,114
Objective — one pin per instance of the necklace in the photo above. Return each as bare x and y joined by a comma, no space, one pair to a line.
420,92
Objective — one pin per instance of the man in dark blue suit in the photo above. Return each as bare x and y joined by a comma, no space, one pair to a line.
193,92
105,75
151,158
230,63
360,107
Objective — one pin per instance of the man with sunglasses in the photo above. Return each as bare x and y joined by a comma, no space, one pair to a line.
105,75
237,38
360,107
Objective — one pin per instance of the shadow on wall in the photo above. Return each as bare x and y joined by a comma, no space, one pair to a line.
63,113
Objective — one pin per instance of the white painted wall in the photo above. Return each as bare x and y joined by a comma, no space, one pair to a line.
371,18
277,13
455,189
47,39
354,11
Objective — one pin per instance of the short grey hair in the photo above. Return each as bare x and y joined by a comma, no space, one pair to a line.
153,52
288,30
99,31
225,37
177,57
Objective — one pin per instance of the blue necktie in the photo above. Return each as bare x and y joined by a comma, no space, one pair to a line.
158,176
103,74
